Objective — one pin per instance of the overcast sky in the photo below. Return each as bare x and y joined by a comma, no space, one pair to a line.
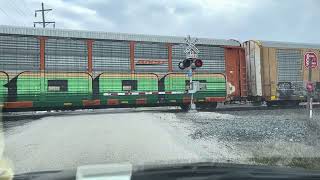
280,20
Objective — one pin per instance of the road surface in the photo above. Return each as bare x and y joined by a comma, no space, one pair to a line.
65,140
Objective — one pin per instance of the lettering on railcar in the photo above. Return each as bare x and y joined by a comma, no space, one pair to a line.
151,62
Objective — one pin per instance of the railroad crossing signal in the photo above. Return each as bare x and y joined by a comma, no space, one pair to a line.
191,52
191,63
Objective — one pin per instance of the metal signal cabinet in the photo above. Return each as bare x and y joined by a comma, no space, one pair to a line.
276,71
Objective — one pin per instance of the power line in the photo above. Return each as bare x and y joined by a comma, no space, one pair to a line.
15,11
43,22
27,6
17,7
4,12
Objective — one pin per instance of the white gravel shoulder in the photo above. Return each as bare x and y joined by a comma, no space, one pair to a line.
210,149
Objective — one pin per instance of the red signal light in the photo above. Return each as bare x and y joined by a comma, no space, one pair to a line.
310,87
198,63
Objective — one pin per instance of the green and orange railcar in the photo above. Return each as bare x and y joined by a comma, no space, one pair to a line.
49,69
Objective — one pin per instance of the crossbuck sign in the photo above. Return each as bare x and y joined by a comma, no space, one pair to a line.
191,50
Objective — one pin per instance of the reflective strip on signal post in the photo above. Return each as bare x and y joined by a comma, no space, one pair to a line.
142,93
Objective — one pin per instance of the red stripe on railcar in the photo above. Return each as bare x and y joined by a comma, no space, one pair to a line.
113,101
141,101
186,100
19,104
95,102
215,99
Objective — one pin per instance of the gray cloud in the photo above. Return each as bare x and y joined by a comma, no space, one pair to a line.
286,20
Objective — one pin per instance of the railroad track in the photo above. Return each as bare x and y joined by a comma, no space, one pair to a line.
37,115
251,108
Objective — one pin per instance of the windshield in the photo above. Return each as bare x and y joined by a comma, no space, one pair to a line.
104,82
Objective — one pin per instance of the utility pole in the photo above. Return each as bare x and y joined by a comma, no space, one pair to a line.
44,22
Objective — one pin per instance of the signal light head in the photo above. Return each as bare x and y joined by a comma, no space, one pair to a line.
194,63
180,65
198,63
310,87
187,62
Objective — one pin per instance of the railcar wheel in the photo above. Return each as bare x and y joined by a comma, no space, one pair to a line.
290,103
185,107
269,103
284,103
296,103
257,103
206,106
213,105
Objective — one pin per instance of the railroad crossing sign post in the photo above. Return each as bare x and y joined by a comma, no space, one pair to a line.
311,62
191,51
191,63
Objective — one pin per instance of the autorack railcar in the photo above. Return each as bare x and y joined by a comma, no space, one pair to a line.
276,71
43,69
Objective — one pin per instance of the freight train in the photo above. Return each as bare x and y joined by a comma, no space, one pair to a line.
49,69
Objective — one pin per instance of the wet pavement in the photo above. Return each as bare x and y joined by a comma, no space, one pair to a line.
60,140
